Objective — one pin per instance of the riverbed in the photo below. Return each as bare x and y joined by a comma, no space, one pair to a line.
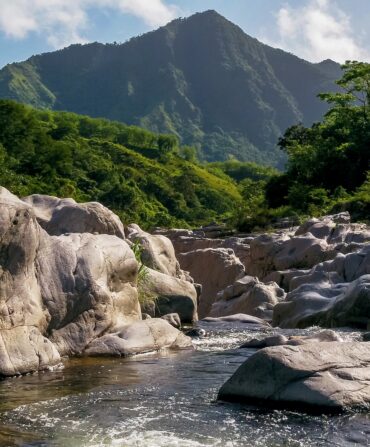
162,399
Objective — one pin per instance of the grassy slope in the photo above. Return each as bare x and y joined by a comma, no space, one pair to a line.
65,154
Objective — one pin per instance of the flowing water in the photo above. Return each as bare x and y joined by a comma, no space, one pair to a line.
160,400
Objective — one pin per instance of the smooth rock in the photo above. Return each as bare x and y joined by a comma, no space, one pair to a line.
157,252
238,318
320,377
58,293
294,340
214,269
248,296
171,295
141,337
61,216
24,349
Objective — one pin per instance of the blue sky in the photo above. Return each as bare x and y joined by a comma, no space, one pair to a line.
312,29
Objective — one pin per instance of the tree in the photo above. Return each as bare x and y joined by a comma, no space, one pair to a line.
167,144
189,153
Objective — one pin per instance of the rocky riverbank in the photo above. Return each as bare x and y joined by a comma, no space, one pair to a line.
72,284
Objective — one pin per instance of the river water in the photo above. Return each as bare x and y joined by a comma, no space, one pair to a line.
161,400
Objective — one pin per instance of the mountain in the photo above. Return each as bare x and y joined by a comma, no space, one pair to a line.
201,78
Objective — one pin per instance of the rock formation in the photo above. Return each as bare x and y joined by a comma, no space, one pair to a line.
293,340
61,216
333,294
169,289
248,296
315,376
214,269
59,294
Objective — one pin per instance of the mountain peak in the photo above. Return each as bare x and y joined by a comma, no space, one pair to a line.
208,16
202,78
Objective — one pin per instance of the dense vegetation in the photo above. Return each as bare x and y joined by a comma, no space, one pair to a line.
202,79
143,176
328,166
148,178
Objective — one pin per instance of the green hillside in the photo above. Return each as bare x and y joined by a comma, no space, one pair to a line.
138,174
201,78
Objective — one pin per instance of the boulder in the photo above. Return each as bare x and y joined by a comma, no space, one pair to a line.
269,253
157,252
238,318
88,285
167,295
336,230
248,296
340,305
214,269
322,377
58,293
24,349
284,278
141,337
185,241
294,340
332,294
60,216
315,241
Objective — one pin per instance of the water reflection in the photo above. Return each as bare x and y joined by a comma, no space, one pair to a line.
159,400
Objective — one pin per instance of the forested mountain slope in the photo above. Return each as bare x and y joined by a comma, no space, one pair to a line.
201,78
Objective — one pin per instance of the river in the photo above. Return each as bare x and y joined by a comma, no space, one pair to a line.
165,399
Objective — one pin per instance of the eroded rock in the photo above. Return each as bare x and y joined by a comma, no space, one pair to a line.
168,295
333,294
141,337
60,294
61,216
214,269
315,376
248,296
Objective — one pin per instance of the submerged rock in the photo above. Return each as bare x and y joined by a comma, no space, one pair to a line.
320,377
196,332
295,340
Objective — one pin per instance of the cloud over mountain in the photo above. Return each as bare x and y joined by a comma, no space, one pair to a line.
64,21
317,31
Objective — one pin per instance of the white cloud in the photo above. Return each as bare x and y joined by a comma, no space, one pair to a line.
64,21
319,30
